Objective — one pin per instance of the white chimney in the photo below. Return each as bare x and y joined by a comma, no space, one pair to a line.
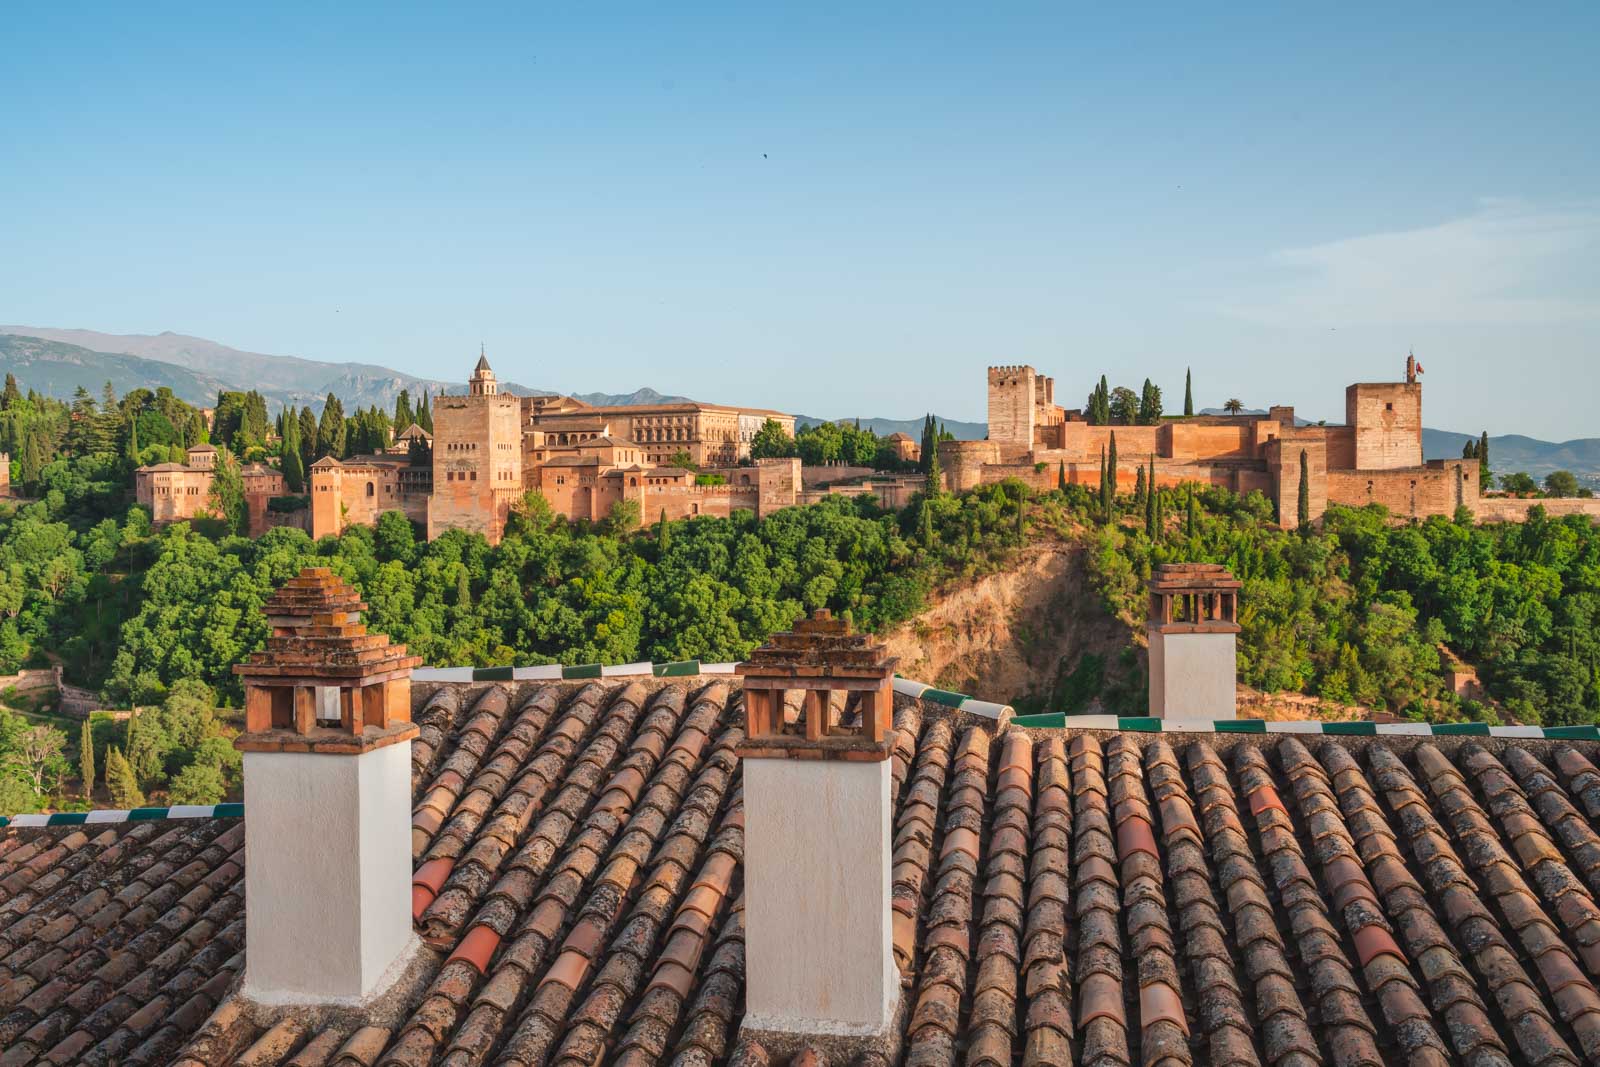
819,951
1193,632
327,794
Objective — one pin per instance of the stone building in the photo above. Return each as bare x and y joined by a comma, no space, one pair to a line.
1374,457
905,447
178,492
477,458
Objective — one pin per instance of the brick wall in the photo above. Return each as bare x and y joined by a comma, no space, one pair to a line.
1415,492
1513,509
477,464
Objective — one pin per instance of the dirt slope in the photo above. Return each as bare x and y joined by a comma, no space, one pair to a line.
1005,636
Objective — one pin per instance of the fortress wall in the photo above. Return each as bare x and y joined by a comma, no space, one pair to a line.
1082,439
1414,492
1514,509
1190,440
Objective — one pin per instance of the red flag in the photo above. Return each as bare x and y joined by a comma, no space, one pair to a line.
1419,368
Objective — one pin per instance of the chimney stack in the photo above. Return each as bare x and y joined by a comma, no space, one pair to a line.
1193,631
327,785
819,956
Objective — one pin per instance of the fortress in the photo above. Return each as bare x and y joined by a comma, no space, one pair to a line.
490,448
1374,457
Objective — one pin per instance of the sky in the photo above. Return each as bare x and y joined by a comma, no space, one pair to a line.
834,210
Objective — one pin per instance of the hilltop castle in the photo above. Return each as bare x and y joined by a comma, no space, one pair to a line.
1374,457
489,448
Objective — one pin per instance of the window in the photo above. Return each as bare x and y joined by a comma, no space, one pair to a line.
370,490
1388,406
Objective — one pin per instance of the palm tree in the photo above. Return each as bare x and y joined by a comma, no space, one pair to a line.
1233,406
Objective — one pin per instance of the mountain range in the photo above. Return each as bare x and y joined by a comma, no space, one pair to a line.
58,361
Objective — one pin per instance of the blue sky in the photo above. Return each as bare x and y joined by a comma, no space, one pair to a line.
829,210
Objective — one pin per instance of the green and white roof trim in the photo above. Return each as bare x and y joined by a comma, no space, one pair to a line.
97,818
1146,724
555,672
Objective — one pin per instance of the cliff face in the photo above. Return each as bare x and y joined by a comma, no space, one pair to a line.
1010,636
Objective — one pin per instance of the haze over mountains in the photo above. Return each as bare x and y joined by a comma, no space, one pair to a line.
58,361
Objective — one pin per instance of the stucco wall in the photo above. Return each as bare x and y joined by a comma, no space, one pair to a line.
818,943
1192,676
329,873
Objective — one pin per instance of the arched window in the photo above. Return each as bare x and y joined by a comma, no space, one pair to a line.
370,490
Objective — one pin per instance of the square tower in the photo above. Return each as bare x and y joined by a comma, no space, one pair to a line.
1387,419
477,458
1013,405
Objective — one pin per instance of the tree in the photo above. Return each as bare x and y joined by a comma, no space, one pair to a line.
1303,514
1560,483
1107,495
120,781
403,417
1152,503
1485,479
226,500
307,436
12,394
663,536
1233,406
331,429
86,758
1124,406
1098,408
1139,488
1150,404
198,783
935,484
40,755
133,442
771,441
294,471
1188,393
1061,476
425,414
1191,518
1519,484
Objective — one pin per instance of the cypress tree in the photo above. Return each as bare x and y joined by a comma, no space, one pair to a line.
1192,519
1483,461
133,440
307,437
121,782
1305,494
294,471
934,485
1188,392
1139,488
1152,504
425,414
86,758
926,521
1106,501
663,536
1111,470
1061,476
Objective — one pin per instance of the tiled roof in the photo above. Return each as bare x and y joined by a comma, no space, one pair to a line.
1058,896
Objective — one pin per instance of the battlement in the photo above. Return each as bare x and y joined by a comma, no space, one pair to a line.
1009,372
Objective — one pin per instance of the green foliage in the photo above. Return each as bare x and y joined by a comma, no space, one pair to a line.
1560,483
240,421
331,429
226,500
1303,512
771,442
836,442
293,464
198,783
121,783
86,768
1150,404
1519,484
1188,392
1357,610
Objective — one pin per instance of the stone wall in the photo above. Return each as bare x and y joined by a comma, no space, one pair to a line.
1515,509
962,462
1388,424
477,464
1415,492
1012,406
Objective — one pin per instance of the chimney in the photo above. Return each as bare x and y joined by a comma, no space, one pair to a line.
1193,632
327,787
817,842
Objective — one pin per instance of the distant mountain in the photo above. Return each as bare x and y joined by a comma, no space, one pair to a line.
637,398
57,361
56,368
964,431
1514,452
